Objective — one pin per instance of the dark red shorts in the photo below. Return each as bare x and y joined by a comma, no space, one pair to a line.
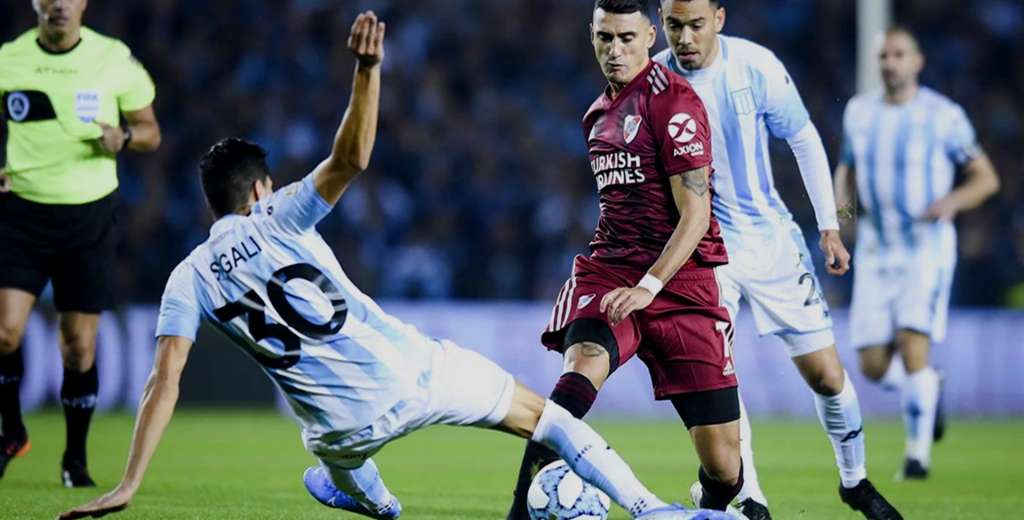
683,336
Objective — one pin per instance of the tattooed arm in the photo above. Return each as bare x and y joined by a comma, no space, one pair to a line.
692,196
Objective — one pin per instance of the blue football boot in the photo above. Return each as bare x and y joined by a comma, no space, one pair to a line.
323,490
678,512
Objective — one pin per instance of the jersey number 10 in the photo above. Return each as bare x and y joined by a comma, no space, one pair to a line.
252,306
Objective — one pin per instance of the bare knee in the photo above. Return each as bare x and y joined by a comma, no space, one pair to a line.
78,351
10,338
718,447
874,362
589,359
524,414
827,380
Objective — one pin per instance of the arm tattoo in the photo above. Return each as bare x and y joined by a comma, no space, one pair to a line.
696,181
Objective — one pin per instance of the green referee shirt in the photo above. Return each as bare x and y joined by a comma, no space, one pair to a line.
50,103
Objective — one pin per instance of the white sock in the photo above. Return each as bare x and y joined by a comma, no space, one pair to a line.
895,376
920,401
840,416
592,459
751,487
363,484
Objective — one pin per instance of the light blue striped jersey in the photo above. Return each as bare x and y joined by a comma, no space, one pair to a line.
272,285
748,94
905,157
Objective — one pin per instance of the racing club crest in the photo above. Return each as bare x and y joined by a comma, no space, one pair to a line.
631,127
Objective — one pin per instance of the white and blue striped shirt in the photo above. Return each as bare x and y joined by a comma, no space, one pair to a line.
272,285
748,94
905,157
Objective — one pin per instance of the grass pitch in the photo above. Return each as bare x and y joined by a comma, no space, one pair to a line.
248,465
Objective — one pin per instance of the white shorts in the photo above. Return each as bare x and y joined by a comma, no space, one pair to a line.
771,267
890,295
465,389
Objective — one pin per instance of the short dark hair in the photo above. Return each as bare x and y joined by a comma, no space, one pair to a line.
227,172
624,6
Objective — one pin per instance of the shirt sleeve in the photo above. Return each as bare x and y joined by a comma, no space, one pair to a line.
137,91
179,306
961,142
846,153
681,130
298,206
784,110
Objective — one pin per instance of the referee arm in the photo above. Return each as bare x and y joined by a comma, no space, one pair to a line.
141,132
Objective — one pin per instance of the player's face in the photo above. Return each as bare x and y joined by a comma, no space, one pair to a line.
900,61
622,43
60,16
691,28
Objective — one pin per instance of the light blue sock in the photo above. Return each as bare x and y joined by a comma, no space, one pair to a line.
840,416
920,401
592,459
363,484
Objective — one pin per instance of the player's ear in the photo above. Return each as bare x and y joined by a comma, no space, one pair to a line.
652,36
719,19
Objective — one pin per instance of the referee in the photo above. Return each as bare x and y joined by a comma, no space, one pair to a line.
65,91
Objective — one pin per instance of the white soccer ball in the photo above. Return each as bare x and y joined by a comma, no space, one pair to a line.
557,493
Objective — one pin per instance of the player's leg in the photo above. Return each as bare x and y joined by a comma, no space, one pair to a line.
586,367
78,391
83,280
712,419
15,305
838,408
592,350
920,398
751,496
921,319
583,449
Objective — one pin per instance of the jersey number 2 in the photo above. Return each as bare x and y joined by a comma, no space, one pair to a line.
252,306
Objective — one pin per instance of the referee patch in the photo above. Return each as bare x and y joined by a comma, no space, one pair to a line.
22,106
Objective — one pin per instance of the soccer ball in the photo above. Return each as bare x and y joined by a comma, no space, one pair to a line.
557,493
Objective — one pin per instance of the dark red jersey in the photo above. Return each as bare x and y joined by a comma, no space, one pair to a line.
656,127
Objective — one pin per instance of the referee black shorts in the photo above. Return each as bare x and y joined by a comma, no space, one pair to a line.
71,245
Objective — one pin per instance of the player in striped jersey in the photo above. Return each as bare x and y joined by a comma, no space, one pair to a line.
355,377
902,146
749,96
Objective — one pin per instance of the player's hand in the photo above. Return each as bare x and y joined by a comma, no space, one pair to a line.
5,181
112,140
624,300
367,40
112,502
837,258
945,208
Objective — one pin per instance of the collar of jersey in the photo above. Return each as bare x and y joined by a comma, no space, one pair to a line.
58,53
707,73
223,223
642,76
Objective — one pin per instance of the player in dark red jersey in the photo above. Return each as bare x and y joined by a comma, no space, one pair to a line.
648,287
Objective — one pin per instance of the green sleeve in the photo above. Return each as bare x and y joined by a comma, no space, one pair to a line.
137,91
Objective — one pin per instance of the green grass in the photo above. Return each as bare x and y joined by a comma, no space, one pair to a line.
233,464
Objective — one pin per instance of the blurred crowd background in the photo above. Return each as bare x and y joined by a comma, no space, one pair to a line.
479,186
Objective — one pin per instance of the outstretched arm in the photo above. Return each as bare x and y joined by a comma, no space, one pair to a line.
353,143
691,192
157,406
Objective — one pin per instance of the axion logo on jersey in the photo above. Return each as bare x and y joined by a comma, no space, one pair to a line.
18,105
682,128
631,127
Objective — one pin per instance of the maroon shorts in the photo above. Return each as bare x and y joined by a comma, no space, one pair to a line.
683,336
